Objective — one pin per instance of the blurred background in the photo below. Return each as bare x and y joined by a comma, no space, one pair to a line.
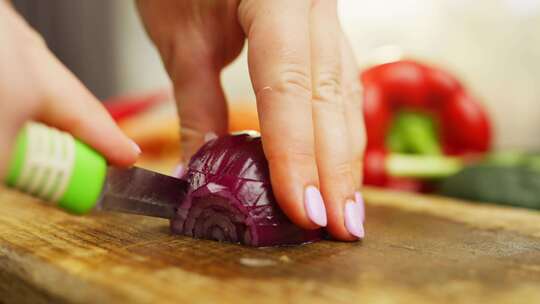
493,46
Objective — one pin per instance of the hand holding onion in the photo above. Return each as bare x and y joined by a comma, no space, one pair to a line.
308,100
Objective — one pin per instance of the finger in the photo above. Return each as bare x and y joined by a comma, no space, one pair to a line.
69,106
331,130
202,108
279,65
193,58
352,96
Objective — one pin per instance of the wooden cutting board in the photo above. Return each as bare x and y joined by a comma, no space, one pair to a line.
418,249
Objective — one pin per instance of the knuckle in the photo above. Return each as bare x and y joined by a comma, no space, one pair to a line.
328,82
294,80
328,86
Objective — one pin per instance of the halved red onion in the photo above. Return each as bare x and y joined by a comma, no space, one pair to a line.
230,197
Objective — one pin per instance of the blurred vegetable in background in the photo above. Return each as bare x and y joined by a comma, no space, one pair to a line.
149,119
506,178
414,109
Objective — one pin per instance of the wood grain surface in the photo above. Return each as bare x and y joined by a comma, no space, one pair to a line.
419,249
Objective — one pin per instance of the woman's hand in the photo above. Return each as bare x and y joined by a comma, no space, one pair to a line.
308,97
35,85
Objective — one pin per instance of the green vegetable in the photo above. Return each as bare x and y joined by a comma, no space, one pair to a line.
414,133
510,179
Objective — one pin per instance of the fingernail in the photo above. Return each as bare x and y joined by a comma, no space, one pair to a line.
136,147
353,219
209,136
360,201
179,171
314,205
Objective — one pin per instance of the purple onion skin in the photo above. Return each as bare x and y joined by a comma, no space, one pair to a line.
230,197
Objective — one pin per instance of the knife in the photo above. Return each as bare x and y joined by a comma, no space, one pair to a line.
63,171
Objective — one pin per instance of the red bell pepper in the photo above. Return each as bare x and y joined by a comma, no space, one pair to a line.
127,106
460,124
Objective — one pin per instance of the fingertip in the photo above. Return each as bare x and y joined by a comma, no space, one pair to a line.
113,144
179,171
295,185
359,199
109,139
295,210
292,202
353,219
135,147
126,156
340,232
346,219
130,156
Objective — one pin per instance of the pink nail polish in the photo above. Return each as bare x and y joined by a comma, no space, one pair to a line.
314,204
136,147
179,171
360,200
353,219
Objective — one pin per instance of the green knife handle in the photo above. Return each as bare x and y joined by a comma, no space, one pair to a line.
54,166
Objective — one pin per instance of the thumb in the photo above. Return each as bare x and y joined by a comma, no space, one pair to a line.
202,109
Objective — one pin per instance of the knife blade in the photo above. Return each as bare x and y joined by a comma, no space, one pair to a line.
139,191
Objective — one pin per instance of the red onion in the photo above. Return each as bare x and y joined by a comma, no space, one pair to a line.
230,197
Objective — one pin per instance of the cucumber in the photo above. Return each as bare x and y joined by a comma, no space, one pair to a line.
512,181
